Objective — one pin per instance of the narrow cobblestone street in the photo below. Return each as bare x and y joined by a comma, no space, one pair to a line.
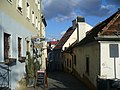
64,81
59,81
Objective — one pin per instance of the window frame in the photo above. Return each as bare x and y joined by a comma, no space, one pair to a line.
19,47
10,1
28,10
7,45
33,17
87,65
19,4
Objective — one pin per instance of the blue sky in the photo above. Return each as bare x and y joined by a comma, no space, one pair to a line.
60,13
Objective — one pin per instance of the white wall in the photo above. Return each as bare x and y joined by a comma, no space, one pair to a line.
71,40
92,51
82,28
107,63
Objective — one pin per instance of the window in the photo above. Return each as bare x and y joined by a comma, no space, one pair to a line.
28,46
28,10
6,45
36,1
67,63
70,63
87,65
10,1
33,17
36,23
38,5
19,5
75,59
19,47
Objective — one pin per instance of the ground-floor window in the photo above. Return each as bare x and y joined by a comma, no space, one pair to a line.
6,45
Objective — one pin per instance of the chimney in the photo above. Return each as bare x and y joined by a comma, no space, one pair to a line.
78,19
82,28
118,9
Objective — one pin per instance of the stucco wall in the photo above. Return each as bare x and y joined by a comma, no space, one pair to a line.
71,40
92,51
11,26
107,62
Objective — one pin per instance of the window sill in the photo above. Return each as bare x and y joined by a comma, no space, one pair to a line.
21,59
10,61
11,2
19,11
33,24
28,19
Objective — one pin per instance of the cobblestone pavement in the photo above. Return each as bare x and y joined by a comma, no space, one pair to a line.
64,81
57,81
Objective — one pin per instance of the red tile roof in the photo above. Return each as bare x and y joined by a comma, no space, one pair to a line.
64,38
110,27
53,42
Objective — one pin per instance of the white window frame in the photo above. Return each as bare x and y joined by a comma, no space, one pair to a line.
38,25
36,22
19,5
28,10
33,17
36,2
38,5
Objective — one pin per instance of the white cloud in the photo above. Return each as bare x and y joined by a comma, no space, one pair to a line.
66,9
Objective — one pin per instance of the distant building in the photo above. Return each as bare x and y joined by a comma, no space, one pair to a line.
73,35
95,59
19,22
51,45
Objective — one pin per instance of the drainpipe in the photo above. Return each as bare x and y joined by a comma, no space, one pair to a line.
40,17
40,30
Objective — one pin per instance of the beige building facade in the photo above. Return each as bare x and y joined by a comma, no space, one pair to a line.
20,20
95,59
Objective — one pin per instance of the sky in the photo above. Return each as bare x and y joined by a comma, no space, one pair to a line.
60,13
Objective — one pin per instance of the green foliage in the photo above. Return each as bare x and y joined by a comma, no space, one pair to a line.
32,67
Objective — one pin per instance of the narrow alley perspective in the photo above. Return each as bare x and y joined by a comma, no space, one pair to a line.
64,81
58,81
59,44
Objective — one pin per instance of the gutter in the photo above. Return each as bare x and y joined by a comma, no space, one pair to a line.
107,38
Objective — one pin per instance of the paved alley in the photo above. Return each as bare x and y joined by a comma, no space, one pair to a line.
64,81
59,81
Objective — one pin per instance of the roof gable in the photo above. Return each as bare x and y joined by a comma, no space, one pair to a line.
64,38
109,27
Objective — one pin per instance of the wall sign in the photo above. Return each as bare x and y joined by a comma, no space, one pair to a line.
114,50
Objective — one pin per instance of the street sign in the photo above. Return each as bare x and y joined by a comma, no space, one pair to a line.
114,50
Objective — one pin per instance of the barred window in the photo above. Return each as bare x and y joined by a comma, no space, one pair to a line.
6,45
19,47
